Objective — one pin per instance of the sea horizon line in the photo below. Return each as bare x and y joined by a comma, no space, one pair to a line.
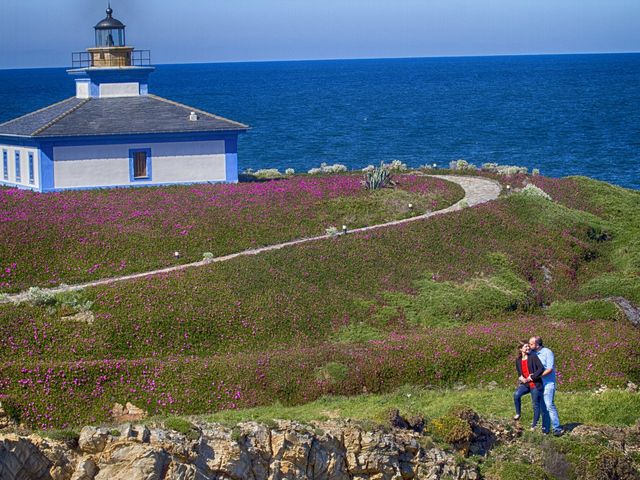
346,59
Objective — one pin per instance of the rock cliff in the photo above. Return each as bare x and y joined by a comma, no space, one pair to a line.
249,451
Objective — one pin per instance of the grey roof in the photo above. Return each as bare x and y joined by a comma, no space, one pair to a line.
115,116
109,21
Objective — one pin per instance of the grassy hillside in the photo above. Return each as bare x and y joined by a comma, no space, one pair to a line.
431,303
69,237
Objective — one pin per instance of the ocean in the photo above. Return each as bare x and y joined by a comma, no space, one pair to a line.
563,114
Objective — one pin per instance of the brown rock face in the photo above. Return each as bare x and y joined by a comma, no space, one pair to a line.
128,413
22,460
288,451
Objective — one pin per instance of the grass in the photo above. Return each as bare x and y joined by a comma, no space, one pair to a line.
589,310
429,303
614,407
449,303
71,237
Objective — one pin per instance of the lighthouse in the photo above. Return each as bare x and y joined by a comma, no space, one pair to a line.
111,68
114,132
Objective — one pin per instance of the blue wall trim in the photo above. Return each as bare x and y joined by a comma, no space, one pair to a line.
46,168
231,159
16,141
149,177
139,138
113,75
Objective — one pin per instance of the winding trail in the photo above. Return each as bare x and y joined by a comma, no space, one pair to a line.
477,190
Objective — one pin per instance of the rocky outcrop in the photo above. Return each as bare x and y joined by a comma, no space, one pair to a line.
128,413
250,451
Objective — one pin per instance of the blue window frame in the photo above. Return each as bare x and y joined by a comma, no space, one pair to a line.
140,164
5,165
32,179
18,173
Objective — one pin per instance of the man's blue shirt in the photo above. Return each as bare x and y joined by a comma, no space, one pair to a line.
548,361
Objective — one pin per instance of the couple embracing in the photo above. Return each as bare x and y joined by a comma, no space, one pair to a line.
537,376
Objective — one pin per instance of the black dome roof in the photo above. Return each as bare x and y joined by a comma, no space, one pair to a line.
109,22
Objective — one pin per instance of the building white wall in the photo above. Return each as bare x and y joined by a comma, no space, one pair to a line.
24,166
108,165
131,89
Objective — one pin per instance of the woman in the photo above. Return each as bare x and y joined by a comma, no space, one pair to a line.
529,368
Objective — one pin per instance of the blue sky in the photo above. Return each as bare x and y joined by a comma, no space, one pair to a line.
40,33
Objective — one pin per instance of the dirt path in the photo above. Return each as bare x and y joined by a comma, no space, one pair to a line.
477,190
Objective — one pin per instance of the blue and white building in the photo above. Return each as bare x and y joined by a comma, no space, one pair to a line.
114,133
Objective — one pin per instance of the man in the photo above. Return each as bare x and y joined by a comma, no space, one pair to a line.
549,411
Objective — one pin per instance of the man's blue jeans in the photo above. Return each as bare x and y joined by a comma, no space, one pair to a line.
549,411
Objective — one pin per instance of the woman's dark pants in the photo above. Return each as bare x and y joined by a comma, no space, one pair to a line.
536,398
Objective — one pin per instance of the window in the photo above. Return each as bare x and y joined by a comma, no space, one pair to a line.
32,179
5,165
18,173
140,164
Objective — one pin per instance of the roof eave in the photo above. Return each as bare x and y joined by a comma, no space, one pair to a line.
128,134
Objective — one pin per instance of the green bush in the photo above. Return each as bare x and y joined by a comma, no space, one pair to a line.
533,191
182,426
379,177
453,428
515,471
589,310
67,436
358,333
440,303
333,372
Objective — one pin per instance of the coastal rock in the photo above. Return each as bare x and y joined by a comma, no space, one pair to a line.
93,440
86,469
126,461
128,413
333,450
20,459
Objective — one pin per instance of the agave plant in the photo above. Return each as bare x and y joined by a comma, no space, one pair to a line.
379,177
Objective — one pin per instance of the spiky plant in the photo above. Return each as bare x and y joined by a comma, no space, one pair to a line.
379,177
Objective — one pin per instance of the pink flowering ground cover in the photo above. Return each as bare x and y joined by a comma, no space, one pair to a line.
309,292
280,325
70,237
588,354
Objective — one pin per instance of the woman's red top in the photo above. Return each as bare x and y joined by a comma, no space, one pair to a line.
525,371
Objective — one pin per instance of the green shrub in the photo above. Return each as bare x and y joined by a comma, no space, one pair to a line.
532,191
76,300
379,177
67,436
515,471
333,372
38,296
358,333
452,430
589,310
11,408
236,434
183,426
449,303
